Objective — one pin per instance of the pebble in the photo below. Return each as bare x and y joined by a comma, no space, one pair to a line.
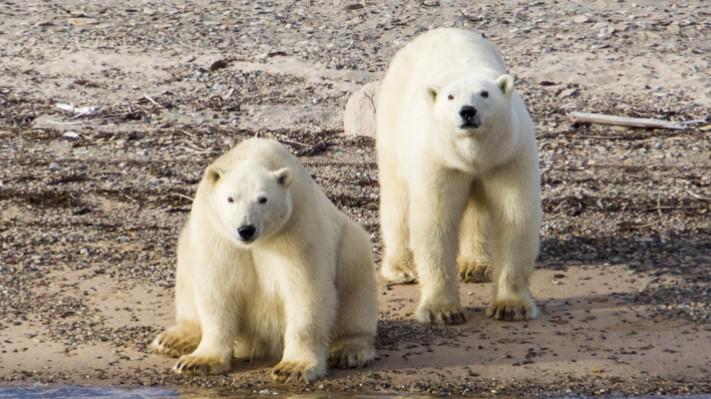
70,135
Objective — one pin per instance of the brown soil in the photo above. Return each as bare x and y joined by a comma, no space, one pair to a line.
88,224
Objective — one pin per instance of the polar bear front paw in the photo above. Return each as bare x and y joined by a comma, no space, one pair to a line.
175,342
513,310
201,365
289,372
398,272
474,272
351,354
440,314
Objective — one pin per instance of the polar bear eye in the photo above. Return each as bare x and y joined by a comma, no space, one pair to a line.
230,200
450,97
262,200
484,93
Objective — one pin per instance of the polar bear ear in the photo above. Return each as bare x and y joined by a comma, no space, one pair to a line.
506,84
213,174
283,176
431,94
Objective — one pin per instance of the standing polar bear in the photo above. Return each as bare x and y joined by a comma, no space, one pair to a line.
268,267
459,176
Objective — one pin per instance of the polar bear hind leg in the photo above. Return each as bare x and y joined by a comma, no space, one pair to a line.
473,259
398,266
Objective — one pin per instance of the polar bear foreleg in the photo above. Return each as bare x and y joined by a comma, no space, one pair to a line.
213,282
437,202
310,307
514,197
219,329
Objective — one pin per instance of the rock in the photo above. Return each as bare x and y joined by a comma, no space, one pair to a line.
70,135
82,21
359,115
581,19
673,28
606,33
219,64
569,92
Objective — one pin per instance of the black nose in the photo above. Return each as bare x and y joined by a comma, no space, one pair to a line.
246,232
467,113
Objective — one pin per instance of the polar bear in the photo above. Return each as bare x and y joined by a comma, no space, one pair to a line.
269,267
459,177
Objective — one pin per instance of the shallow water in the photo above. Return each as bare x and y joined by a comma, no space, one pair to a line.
73,391
86,392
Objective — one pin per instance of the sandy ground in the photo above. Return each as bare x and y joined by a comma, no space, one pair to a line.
91,205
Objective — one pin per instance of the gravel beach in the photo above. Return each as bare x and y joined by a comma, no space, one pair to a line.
93,192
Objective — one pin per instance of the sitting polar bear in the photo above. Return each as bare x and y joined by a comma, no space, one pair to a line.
268,266
459,177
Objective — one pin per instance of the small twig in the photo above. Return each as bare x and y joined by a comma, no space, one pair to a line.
91,111
195,146
468,17
696,121
665,208
79,112
632,225
65,123
151,100
183,196
313,150
697,196
659,205
194,149
287,141
185,132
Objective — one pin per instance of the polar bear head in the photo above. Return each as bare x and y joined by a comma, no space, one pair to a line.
472,105
250,202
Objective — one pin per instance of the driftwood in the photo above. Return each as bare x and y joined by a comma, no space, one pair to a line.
602,119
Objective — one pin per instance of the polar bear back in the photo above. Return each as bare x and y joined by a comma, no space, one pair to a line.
434,57
267,153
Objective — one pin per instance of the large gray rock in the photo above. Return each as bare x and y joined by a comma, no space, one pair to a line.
359,116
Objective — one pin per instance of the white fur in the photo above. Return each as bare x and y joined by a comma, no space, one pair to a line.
303,290
451,195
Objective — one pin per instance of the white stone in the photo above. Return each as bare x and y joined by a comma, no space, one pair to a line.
359,115
70,135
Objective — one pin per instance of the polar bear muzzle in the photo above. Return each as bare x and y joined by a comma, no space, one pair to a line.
470,117
247,233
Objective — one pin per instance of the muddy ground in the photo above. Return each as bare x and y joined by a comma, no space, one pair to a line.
91,204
